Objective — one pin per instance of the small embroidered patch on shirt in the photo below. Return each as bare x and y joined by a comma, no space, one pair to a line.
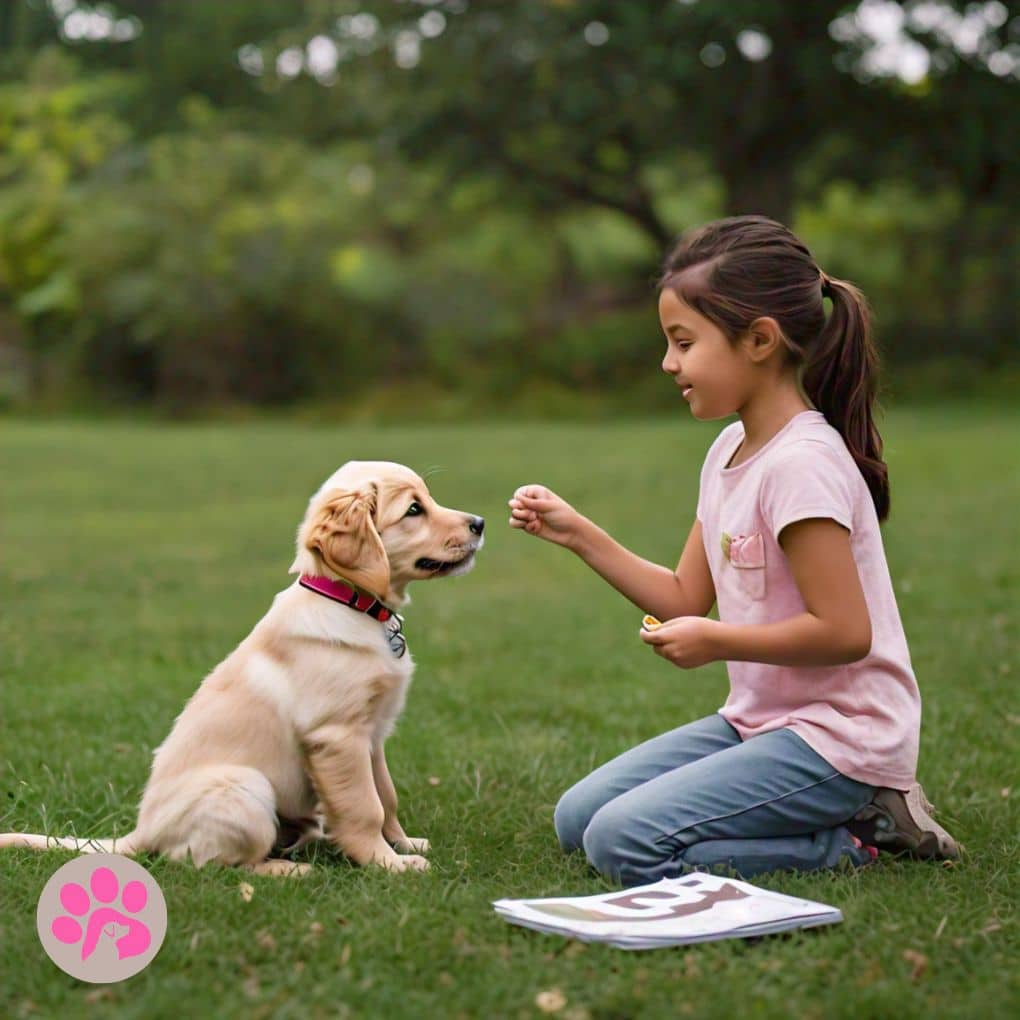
744,550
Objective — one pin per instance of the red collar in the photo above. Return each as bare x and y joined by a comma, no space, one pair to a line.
346,595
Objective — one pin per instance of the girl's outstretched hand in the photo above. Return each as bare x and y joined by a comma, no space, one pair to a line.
540,512
686,641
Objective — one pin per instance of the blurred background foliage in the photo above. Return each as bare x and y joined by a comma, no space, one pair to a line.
462,204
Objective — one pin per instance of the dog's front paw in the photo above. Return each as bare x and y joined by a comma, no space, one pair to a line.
411,845
406,862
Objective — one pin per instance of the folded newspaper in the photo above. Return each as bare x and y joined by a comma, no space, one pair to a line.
694,908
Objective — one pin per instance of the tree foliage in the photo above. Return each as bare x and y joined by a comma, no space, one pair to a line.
264,200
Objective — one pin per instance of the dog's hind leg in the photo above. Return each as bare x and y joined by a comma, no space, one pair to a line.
223,813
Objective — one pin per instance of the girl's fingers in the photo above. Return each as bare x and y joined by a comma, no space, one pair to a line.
531,491
541,505
530,524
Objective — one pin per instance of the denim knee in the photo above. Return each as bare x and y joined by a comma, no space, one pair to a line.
570,818
612,849
627,849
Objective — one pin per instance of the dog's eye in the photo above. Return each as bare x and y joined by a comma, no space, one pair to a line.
415,510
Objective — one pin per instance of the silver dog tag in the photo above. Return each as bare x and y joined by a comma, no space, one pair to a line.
394,627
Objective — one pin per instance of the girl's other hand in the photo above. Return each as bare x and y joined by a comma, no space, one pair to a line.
540,512
686,641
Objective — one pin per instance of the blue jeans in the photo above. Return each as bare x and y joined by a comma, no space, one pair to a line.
698,797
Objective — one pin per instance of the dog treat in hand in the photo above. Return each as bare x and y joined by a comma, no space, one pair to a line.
650,623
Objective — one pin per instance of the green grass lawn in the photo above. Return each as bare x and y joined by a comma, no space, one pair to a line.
134,558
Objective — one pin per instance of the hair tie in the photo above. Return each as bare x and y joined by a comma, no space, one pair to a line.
826,287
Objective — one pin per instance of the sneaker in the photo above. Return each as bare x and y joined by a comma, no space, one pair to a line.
901,821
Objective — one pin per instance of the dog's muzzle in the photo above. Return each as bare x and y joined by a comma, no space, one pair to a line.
462,563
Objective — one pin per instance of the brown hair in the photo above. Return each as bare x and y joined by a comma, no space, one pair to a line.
749,267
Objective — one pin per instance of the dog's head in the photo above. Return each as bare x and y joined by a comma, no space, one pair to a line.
376,525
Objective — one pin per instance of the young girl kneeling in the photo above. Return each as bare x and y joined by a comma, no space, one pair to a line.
812,759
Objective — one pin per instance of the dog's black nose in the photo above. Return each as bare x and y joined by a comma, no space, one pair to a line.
477,525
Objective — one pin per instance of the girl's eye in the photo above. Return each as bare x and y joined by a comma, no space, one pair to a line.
683,344
415,510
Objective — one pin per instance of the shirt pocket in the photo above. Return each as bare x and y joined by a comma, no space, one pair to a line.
746,554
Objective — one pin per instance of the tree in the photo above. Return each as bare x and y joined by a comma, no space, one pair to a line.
575,101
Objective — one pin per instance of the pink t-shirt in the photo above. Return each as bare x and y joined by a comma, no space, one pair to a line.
864,718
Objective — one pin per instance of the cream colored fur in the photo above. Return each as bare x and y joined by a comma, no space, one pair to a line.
291,726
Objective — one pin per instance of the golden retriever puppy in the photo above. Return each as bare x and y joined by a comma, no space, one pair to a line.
287,733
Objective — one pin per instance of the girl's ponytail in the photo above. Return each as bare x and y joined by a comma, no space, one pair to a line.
839,376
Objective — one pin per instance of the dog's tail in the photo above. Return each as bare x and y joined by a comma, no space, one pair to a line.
127,845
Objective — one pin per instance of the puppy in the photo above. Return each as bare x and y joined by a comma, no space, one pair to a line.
294,720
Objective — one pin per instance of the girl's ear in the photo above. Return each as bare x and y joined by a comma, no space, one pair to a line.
763,338
339,534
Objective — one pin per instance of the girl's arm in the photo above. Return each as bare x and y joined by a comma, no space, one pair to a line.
687,591
834,629
665,593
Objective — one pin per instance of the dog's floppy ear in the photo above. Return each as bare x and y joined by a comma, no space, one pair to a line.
340,534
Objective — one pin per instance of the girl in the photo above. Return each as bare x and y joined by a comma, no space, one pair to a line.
811,760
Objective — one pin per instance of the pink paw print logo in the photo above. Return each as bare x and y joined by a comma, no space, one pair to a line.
101,918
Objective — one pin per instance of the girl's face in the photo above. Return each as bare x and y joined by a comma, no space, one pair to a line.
713,374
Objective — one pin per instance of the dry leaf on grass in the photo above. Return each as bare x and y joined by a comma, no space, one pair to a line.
577,1013
919,961
550,1001
247,891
